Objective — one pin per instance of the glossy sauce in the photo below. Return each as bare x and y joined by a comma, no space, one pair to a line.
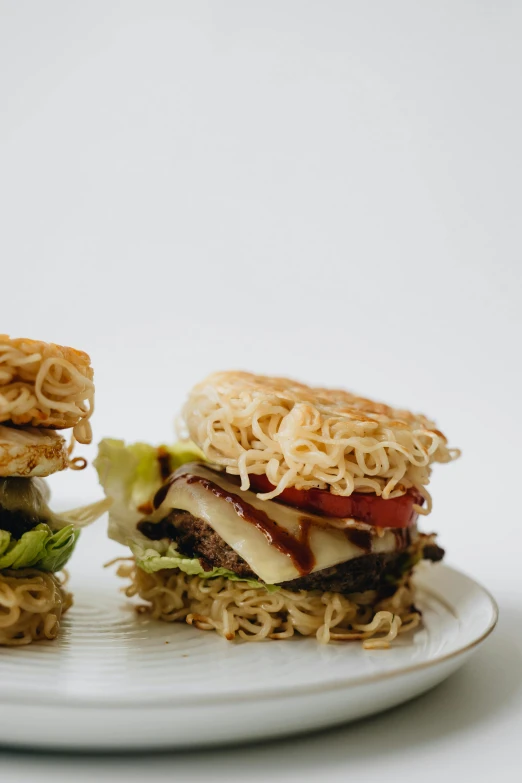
402,537
359,538
161,494
297,548
165,469
165,465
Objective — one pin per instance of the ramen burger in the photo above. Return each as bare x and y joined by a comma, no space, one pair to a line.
43,388
292,510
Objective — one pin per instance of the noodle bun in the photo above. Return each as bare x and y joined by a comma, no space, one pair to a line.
237,610
46,385
30,452
304,437
31,606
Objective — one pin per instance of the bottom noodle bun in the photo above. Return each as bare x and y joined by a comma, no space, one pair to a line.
237,609
32,603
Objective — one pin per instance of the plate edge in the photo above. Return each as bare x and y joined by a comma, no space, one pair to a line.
295,690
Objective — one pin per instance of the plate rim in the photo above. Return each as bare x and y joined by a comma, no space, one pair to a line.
279,691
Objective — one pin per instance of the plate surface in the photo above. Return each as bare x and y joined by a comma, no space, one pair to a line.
116,680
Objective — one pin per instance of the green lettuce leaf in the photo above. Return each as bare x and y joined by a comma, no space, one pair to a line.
50,541
150,561
131,475
38,548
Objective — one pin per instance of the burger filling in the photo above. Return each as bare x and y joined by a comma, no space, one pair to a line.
196,539
200,515
31,534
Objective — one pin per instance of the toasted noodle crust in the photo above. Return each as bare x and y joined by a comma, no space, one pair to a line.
236,610
46,385
31,452
305,437
31,606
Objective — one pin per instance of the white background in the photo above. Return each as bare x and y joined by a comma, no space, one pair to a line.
326,190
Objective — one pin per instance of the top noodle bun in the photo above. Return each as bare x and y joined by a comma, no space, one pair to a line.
45,385
308,437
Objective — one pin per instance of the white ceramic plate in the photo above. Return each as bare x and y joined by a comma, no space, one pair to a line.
115,680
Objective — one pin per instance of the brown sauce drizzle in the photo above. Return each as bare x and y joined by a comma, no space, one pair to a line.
165,469
305,525
359,538
402,537
161,494
164,461
296,548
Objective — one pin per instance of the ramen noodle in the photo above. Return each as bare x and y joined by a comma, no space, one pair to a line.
236,609
32,604
304,437
46,385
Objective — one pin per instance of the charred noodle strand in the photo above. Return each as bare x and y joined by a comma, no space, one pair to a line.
31,606
235,609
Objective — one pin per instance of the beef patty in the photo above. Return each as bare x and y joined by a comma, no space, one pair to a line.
196,539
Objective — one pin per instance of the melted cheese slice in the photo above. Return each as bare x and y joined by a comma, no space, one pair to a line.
330,546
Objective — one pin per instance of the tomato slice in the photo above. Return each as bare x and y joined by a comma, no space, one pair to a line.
366,507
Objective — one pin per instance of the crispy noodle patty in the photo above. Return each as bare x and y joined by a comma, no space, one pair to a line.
305,437
32,604
45,385
239,610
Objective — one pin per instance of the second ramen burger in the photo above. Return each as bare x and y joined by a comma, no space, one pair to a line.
43,388
297,512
